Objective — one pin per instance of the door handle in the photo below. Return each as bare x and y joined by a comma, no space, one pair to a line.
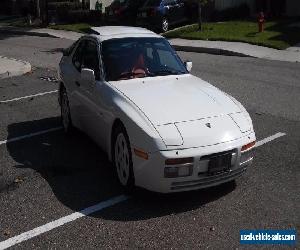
77,83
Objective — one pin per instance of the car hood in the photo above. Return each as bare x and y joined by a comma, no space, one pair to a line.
187,111
171,99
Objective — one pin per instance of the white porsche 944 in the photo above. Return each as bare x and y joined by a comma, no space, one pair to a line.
163,129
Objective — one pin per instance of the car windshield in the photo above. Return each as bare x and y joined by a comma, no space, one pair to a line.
128,58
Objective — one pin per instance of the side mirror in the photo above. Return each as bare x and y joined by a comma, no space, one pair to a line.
188,65
88,75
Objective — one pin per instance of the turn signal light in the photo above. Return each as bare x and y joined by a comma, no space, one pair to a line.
141,154
179,161
248,146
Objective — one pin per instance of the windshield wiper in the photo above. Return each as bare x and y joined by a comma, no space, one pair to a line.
165,72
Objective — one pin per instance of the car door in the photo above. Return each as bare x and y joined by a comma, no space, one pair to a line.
73,76
93,95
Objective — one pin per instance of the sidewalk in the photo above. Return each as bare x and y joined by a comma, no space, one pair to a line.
212,47
43,32
236,48
12,67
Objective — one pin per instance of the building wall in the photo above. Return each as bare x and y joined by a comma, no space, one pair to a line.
293,7
105,3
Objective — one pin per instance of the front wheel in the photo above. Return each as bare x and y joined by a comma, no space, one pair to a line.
165,25
122,159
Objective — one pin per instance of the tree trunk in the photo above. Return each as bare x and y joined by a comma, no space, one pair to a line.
46,17
38,9
200,16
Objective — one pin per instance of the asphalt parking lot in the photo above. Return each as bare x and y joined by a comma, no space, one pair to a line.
48,176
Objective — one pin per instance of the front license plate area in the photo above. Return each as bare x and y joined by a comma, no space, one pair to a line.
219,164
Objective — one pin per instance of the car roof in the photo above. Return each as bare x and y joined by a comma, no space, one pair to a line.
111,32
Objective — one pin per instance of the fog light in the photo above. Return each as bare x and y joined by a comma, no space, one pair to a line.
171,172
184,171
181,171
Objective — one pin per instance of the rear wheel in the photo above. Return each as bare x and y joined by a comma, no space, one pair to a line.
165,24
122,159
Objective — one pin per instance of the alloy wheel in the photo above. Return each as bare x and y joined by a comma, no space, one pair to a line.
165,25
122,160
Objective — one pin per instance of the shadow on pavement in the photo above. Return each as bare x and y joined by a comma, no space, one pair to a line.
145,205
80,175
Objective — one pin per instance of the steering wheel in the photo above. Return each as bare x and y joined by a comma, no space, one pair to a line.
139,72
135,73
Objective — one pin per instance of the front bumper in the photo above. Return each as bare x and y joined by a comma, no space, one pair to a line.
150,174
207,181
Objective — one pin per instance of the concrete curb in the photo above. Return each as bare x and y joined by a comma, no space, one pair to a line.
214,51
22,68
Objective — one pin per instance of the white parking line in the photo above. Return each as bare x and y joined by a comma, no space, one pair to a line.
29,96
87,211
29,135
57,223
269,139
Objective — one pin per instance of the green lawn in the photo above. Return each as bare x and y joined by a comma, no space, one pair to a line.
278,35
77,27
13,21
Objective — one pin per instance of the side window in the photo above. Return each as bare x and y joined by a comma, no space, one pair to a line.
90,58
77,57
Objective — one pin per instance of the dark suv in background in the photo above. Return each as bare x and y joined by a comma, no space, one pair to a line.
123,11
160,14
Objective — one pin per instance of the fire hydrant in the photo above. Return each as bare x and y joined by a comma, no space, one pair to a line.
261,21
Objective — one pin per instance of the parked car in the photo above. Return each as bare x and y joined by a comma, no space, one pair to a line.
160,14
123,11
163,129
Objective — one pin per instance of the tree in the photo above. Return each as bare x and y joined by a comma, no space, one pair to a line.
38,9
41,9
201,3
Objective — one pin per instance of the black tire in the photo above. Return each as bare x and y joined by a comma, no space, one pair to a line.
165,24
64,107
129,184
